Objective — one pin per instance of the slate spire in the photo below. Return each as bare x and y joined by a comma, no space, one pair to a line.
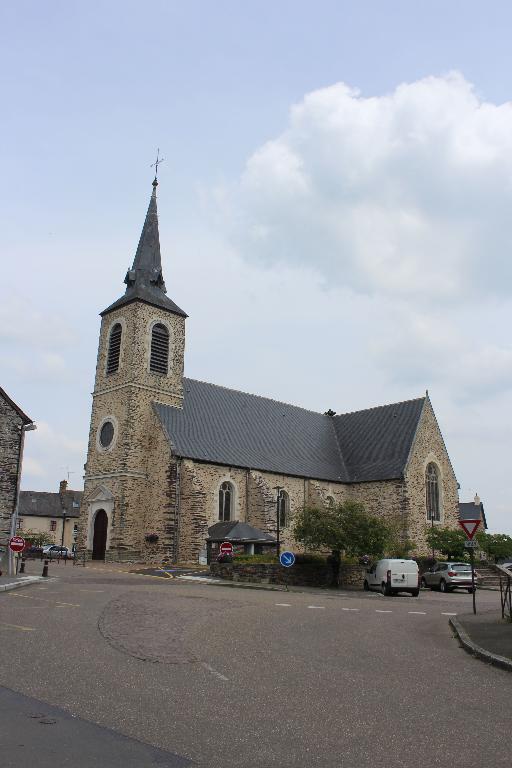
147,264
145,280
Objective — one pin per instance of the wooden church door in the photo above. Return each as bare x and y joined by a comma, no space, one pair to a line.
99,543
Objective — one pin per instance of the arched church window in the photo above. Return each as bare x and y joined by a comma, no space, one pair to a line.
225,501
159,357
284,509
432,492
329,502
114,348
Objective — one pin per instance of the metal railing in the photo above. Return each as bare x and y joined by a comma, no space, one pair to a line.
505,592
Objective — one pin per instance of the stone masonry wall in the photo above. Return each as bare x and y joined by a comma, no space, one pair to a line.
429,446
10,436
303,574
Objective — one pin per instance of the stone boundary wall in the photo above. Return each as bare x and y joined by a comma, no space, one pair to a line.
300,575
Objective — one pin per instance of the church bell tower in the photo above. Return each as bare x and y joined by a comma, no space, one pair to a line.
140,361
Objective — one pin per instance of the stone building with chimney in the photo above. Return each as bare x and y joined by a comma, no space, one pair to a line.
13,425
169,457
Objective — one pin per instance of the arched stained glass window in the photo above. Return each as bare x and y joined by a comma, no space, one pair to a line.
432,492
225,501
159,358
114,348
284,509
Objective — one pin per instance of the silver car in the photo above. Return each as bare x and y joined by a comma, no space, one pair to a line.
448,576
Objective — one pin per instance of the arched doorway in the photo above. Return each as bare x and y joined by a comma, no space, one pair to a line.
99,542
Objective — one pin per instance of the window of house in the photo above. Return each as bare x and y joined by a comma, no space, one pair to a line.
53,525
283,509
114,348
329,502
432,492
225,501
75,530
19,523
159,358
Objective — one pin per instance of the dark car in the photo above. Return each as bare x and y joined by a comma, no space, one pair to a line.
33,552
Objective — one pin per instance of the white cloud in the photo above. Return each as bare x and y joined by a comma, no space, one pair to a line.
408,194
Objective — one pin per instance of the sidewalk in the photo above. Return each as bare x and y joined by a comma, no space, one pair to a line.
487,636
14,582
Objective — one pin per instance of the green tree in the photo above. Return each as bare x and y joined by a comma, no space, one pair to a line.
344,528
495,545
38,538
447,541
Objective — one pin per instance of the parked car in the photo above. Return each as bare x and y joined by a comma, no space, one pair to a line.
55,551
448,576
391,576
33,552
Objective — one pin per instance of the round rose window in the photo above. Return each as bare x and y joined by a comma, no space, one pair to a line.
106,434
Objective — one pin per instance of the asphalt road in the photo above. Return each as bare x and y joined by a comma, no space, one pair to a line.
254,678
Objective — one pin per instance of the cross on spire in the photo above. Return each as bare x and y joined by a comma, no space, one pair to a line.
157,162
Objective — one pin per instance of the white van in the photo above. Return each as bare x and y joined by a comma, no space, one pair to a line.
392,576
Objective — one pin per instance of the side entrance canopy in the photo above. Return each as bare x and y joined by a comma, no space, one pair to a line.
244,538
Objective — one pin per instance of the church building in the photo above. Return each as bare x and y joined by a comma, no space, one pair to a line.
169,457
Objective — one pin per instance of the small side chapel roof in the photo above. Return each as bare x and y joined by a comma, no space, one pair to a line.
223,426
234,530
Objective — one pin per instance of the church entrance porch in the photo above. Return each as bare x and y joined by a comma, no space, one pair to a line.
99,543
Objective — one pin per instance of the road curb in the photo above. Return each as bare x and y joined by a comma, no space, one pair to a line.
476,650
244,585
17,584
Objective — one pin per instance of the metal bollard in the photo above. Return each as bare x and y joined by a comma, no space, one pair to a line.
45,568
22,565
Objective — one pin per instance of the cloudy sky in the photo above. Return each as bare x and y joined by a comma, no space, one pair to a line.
335,207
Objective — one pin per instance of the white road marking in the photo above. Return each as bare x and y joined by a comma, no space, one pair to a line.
44,600
284,605
350,609
317,606
448,614
378,611
16,626
213,671
92,590
419,613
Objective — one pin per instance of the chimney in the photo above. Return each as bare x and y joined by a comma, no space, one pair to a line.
477,501
63,486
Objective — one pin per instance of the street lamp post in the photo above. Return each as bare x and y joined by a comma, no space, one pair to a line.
63,527
278,489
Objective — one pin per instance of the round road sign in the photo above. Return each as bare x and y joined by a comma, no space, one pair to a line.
226,548
287,559
17,544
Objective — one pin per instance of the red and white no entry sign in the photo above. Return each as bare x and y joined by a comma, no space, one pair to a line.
226,548
17,544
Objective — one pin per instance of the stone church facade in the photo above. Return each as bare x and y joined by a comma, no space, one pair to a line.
168,456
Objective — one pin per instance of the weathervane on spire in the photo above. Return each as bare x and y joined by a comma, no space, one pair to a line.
157,162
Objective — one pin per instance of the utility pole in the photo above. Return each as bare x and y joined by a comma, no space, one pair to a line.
278,489
14,517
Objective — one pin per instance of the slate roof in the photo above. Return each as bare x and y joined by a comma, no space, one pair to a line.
43,504
468,510
145,281
223,426
237,531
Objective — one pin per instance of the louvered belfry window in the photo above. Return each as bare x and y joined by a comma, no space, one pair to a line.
114,348
159,360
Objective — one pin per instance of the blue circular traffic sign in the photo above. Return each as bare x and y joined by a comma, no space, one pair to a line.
287,559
